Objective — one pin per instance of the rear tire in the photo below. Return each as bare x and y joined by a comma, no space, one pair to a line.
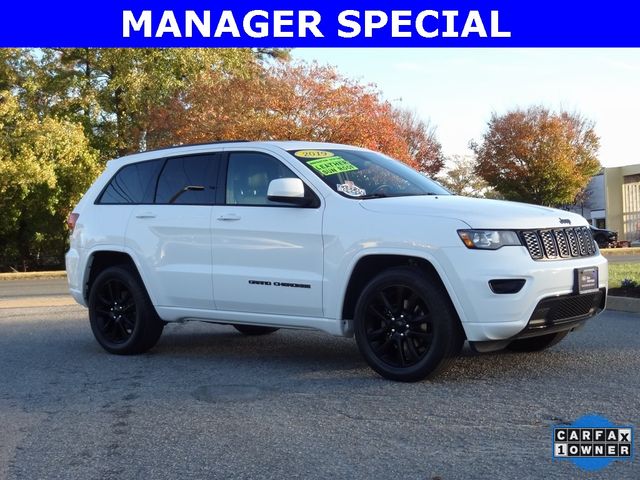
535,344
122,317
255,329
405,326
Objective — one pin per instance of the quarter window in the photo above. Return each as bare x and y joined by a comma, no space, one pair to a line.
132,184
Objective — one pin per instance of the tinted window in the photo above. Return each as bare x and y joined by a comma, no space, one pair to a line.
188,180
248,178
134,183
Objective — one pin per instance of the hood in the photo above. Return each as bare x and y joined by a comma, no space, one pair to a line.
476,212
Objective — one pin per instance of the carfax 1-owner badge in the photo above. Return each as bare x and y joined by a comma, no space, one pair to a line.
592,442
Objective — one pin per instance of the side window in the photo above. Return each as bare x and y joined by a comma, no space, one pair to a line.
189,180
248,177
132,184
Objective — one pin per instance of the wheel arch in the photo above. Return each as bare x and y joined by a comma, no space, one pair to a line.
367,266
104,257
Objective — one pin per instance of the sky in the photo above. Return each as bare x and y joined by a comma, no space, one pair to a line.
458,89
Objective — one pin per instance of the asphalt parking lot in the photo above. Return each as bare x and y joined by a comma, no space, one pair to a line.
208,402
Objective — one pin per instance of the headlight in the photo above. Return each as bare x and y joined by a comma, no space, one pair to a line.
488,239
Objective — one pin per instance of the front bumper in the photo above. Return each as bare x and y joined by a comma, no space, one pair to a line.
553,315
488,316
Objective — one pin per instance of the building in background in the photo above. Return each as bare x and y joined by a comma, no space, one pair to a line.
592,204
622,189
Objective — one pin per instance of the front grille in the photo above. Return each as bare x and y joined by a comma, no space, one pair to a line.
557,243
566,308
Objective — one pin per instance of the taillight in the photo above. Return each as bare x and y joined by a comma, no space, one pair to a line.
71,220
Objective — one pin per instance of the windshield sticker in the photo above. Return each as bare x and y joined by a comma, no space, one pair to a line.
351,189
313,154
331,166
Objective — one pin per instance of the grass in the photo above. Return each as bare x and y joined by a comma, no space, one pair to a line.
620,271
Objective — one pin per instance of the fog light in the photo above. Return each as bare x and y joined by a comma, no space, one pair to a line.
507,285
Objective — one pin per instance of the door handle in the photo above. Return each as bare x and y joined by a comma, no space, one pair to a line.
146,215
227,217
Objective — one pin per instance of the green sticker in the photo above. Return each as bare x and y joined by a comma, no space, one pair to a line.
331,166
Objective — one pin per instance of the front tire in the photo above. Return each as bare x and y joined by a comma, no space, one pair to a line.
405,326
122,317
535,344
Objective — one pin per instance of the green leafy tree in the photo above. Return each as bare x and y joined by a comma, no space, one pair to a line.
46,164
111,91
538,156
63,112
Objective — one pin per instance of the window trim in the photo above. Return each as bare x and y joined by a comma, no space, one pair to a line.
222,179
163,160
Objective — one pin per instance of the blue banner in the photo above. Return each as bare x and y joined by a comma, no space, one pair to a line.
305,23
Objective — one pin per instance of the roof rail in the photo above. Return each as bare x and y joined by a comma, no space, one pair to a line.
214,142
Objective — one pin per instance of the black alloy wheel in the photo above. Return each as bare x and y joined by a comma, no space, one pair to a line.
405,326
122,317
116,311
399,326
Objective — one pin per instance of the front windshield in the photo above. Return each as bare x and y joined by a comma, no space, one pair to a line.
363,174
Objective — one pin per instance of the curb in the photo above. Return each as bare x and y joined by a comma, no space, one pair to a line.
28,275
620,251
623,304
38,302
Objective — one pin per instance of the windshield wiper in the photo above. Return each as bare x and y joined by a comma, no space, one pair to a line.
373,195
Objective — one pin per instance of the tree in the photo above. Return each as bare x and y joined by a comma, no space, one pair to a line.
46,164
111,91
295,102
460,177
421,140
538,156
10,60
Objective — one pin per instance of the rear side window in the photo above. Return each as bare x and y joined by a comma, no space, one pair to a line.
189,180
132,184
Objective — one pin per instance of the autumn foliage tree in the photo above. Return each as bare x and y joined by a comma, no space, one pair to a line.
460,177
295,102
538,156
64,112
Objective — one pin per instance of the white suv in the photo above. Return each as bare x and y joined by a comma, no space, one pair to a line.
268,235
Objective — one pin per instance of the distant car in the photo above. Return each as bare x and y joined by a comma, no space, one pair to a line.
604,238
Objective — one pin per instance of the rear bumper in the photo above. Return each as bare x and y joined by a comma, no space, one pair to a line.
553,315
74,275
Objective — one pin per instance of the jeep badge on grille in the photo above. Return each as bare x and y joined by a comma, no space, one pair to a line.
565,221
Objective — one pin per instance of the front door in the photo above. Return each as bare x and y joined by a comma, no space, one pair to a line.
267,256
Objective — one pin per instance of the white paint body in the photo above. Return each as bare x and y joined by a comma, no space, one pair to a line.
196,261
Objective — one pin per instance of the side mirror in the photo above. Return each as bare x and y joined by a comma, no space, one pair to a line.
287,190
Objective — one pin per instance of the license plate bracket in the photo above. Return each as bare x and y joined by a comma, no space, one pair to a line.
586,280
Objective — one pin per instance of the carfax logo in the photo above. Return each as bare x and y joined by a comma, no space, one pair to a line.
592,442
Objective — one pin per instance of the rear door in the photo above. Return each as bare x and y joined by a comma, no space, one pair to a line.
172,236
267,256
